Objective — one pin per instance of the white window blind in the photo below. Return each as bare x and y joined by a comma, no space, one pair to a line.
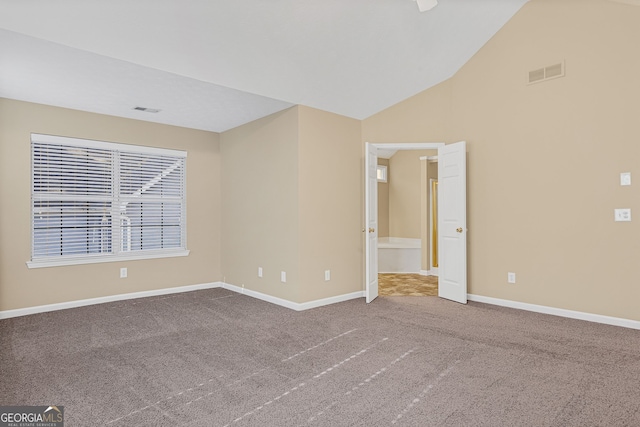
97,201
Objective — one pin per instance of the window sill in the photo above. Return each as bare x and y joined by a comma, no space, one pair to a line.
108,258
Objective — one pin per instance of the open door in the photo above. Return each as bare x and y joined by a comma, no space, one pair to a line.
452,222
371,221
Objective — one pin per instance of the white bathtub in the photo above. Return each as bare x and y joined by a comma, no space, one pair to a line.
399,255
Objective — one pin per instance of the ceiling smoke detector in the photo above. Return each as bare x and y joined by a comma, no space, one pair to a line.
147,110
425,5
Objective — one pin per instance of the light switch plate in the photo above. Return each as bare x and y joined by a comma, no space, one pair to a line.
622,214
625,178
283,276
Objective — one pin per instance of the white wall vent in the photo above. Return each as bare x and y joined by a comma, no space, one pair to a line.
546,73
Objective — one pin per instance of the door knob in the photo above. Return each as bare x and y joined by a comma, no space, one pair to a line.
371,230
459,229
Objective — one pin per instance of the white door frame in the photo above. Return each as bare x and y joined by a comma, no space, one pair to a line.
371,222
389,146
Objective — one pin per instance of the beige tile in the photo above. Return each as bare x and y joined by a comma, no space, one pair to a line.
407,284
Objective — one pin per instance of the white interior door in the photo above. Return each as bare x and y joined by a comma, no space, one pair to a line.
452,222
371,221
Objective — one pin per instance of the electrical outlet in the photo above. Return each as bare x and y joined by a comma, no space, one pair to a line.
283,276
327,275
123,272
259,271
625,178
511,277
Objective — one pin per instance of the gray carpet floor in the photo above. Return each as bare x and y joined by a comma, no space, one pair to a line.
216,358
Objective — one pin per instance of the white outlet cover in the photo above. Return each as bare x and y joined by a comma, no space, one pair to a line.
283,276
625,178
123,272
511,277
622,214
327,275
259,271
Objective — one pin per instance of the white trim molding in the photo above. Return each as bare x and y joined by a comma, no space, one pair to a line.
407,145
101,300
40,263
92,143
330,300
589,317
431,159
432,272
157,292
290,304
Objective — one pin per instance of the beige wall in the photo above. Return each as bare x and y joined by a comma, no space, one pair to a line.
22,287
291,202
260,205
330,208
424,117
405,186
554,227
383,203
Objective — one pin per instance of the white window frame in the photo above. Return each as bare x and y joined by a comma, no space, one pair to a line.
381,173
117,254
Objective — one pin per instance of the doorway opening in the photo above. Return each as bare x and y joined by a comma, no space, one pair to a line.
450,210
406,223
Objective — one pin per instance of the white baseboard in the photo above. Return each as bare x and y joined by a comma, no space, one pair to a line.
290,304
156,292
597,318
331,300
111,298
433,272
400,272
260,296
590,317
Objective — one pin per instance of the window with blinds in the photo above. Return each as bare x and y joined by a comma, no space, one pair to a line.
96,201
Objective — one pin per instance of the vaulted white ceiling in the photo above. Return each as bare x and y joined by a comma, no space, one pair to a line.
214,64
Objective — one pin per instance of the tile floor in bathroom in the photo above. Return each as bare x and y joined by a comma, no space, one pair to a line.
396,284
